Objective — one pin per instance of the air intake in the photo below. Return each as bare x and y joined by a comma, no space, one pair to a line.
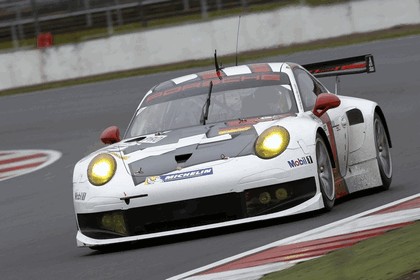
182,158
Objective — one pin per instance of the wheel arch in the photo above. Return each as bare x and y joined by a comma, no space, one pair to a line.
378,110
321,132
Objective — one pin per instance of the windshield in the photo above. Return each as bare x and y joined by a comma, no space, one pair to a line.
182,108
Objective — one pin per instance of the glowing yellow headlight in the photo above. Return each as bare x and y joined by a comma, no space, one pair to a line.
101,169
272,142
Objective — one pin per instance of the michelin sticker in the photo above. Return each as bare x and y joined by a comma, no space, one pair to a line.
178,176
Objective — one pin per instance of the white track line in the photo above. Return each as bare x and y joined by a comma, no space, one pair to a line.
24,162
335,228
49,158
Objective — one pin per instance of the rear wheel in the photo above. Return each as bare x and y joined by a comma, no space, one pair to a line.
383,153
325,173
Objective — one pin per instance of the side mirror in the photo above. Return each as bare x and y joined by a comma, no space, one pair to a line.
324,102
110,135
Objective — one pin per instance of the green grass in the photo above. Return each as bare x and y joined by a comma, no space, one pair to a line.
389,256
229,60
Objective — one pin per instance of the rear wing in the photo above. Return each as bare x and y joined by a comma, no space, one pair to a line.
343,66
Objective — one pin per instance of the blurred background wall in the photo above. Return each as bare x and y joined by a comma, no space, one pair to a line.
114,35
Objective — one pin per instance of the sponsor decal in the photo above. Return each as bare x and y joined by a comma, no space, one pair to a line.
315,118
325,128
336,126
152,139
230,130
206,84
260,68
371,65
300,161
339,68
153,179
178,176
79,196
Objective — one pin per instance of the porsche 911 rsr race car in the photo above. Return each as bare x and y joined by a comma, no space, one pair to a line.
231,146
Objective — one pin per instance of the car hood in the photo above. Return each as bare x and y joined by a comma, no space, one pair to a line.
161,153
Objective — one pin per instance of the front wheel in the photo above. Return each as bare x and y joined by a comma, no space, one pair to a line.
325,174
383,153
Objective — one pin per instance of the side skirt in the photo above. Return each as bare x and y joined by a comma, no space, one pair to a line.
363,176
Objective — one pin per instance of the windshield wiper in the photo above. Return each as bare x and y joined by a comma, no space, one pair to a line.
205,111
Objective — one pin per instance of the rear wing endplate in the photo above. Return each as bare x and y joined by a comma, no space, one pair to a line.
343,66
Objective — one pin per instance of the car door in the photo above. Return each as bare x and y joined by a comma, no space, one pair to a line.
335,120
340,127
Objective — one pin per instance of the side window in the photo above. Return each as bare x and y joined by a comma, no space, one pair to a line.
308,87
319,87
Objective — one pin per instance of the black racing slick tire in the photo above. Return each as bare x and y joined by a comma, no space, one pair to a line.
383,152
325,173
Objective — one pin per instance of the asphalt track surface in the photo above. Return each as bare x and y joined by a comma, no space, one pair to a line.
37,224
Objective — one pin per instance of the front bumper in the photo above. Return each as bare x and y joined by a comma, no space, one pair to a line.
239,190
198,214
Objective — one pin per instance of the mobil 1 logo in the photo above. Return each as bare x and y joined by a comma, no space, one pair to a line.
300,161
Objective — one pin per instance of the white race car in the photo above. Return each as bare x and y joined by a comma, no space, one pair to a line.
231,146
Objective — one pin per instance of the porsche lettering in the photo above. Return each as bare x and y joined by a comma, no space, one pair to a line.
206,83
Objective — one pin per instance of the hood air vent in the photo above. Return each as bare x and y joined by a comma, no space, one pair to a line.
182,158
